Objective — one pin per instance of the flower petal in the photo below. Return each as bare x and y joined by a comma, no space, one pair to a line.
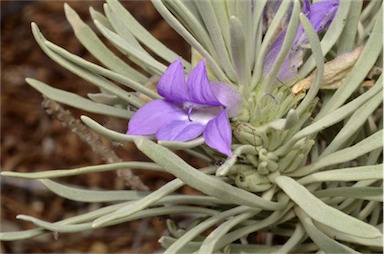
288,68
199,89
272,53
152,116
172,85
180,130
228,96
218,134
320,14
306,7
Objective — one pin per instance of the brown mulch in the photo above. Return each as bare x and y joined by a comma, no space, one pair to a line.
33,141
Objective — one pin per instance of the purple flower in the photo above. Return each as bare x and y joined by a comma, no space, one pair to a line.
189,109
321,15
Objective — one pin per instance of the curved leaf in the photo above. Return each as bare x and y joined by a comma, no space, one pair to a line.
345,174
77,101
327,244
84,195
207,184
323,213
97,48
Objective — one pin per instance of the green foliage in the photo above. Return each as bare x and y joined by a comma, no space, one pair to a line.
322,194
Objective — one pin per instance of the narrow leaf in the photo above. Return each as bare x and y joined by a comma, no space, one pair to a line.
240,58
84,70
94,45
345,174
80,62
84,170
325,243
180,29
323,213
367,145
207,184
141,33
365,193
77,101
20,235
314,41
139,205
84,195
142,58
332,118
354,123
55,227
216,36
329,39
364,64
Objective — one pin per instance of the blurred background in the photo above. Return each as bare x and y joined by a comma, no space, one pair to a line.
31,140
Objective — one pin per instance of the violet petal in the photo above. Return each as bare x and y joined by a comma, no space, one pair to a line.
199,89
228,96
180,130
272,53
288,68
218,134
321,15
152,116
306,7
172,85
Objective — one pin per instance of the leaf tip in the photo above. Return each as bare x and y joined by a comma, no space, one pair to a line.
98,223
